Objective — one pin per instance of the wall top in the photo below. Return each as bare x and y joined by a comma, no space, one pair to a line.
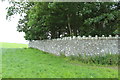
103,37
89,37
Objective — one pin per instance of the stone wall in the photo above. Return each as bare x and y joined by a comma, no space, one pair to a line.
78,45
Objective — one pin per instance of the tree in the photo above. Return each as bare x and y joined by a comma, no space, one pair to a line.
52,19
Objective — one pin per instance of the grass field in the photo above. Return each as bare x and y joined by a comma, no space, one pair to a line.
31,63
12,45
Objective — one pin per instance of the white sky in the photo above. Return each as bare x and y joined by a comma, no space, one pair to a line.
8,30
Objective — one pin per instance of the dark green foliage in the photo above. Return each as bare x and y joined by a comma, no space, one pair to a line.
106,59
51,19
62,55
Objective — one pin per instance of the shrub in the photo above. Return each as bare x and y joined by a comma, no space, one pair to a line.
106,59
62,55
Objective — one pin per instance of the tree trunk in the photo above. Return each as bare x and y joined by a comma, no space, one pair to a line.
69,26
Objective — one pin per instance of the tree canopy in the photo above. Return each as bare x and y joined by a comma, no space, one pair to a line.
49,20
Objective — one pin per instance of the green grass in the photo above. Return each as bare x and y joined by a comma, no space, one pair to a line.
12,45
0,64
32,63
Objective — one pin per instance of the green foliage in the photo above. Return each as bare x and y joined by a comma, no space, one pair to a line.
51,19
106,59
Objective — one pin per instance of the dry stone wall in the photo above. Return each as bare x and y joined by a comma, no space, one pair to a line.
78,45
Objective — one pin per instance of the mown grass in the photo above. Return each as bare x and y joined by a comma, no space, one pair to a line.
8,45
32,63
12,45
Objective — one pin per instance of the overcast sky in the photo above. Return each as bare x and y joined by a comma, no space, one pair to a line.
8,30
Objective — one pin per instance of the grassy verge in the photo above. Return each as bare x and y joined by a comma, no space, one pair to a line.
106,59
32,63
